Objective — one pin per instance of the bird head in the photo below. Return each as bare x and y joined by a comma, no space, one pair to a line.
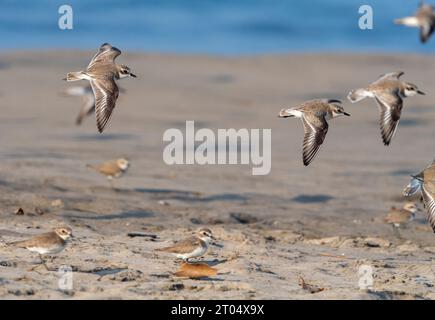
123,163
411,207
205,235
64,232
411,90
125,71
338,111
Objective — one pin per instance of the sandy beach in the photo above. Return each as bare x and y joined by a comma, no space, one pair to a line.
321,222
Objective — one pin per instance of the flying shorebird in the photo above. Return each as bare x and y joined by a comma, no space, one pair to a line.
423,19
102,72
88,100
389,92
47,243
193,247
314,115
425,182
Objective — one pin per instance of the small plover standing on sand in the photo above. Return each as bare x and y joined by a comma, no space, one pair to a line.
47,243
314,115
193,247
423,19
102,72
389,92
425,182
112,169
398,217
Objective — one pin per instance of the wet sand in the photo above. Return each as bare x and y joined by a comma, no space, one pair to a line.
320,223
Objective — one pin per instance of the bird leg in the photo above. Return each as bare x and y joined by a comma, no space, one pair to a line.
111,183
42,262
396,232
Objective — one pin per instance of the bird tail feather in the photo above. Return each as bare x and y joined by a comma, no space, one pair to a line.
74,76
357,95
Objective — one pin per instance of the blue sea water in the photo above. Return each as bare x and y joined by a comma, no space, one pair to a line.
230,27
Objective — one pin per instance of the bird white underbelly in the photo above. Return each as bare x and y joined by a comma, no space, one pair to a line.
294,112
198,252
41,250
410,22
85,76
369,94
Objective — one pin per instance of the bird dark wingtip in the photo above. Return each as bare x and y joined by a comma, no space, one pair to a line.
423,37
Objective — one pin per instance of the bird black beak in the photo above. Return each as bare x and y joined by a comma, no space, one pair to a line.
346,114
217,245
421,92
133,75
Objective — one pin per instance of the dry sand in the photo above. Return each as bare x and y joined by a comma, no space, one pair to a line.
340,199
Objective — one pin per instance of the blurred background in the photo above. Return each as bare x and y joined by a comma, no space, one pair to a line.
228,27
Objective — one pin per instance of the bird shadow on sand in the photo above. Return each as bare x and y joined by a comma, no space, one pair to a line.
120,215
4,65
319,95
222,78
412,122
25,186
4,183
191,196
402,172
315,198
214,262
103,137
